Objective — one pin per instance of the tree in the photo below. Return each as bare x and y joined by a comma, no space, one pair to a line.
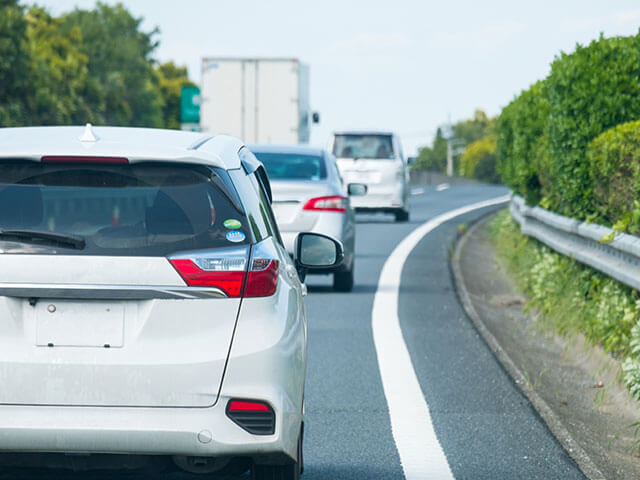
465,132
57,72
14,66
479,160
170,80
435,157
475,128
120,64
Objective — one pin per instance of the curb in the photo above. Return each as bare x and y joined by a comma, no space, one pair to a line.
556,427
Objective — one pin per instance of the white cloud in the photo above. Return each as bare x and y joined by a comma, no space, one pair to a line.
628,16
365,41
485,38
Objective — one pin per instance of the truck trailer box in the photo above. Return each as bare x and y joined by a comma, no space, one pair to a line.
260,100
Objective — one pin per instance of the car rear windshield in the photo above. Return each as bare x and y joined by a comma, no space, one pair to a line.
290,166
363,146
144,209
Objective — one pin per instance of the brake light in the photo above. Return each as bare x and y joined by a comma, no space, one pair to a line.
82,159
334,203
262,280
227,274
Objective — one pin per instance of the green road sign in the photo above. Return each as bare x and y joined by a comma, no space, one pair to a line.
190,105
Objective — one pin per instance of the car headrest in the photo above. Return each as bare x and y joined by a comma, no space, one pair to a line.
184,210
347,152
20,206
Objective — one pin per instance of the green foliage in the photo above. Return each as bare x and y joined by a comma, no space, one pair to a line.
14,67
86,66
522,143
433,158
479,160
475,128
465,132
544,134
170,80
591,90
120,65
58,72
572,297
614,168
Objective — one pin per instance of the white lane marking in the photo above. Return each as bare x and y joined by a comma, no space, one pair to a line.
417,191
442,186
420,451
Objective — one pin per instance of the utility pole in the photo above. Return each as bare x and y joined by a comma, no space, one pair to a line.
448,134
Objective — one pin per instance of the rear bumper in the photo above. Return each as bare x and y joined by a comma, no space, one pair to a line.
143,431
268,366
381,199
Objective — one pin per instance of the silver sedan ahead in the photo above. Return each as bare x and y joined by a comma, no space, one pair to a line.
310,196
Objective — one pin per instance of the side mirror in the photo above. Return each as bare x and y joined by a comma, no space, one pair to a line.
357,189
315,117
314,251
412,160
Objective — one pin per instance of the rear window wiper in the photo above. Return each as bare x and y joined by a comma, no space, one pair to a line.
60,239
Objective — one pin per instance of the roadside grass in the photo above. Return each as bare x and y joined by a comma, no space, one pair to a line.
572,297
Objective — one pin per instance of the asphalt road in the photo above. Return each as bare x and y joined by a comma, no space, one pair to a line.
486,428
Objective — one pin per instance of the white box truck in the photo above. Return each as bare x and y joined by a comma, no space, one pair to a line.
260,100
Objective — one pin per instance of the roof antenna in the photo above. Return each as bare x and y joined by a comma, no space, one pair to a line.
88,136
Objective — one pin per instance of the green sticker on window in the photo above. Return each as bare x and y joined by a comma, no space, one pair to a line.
232,224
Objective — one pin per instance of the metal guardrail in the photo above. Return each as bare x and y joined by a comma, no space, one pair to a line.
619,259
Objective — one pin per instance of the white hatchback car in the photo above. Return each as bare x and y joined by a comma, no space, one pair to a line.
147,303
374,158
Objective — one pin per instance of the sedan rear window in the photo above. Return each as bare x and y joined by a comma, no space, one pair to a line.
145,209
363,146
290,166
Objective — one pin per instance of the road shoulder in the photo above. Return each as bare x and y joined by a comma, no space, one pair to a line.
572,385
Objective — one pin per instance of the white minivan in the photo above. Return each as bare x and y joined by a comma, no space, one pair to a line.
374,158
148,306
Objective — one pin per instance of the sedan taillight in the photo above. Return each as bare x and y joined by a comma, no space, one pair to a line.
334,203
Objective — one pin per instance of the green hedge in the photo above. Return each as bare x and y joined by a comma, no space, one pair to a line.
593,89
614,169
544,134
522,144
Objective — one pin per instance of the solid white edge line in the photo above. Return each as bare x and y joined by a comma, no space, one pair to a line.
420,452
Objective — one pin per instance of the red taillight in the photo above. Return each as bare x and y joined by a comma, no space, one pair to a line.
82,159
255,417
335,203
262,280
246,406
230,282
228,273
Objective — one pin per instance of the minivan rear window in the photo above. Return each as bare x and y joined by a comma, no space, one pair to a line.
363,146
143,209
293,166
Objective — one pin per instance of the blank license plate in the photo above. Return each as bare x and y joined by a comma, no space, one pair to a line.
68,323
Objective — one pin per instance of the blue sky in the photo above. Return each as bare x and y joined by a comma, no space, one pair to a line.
401,65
